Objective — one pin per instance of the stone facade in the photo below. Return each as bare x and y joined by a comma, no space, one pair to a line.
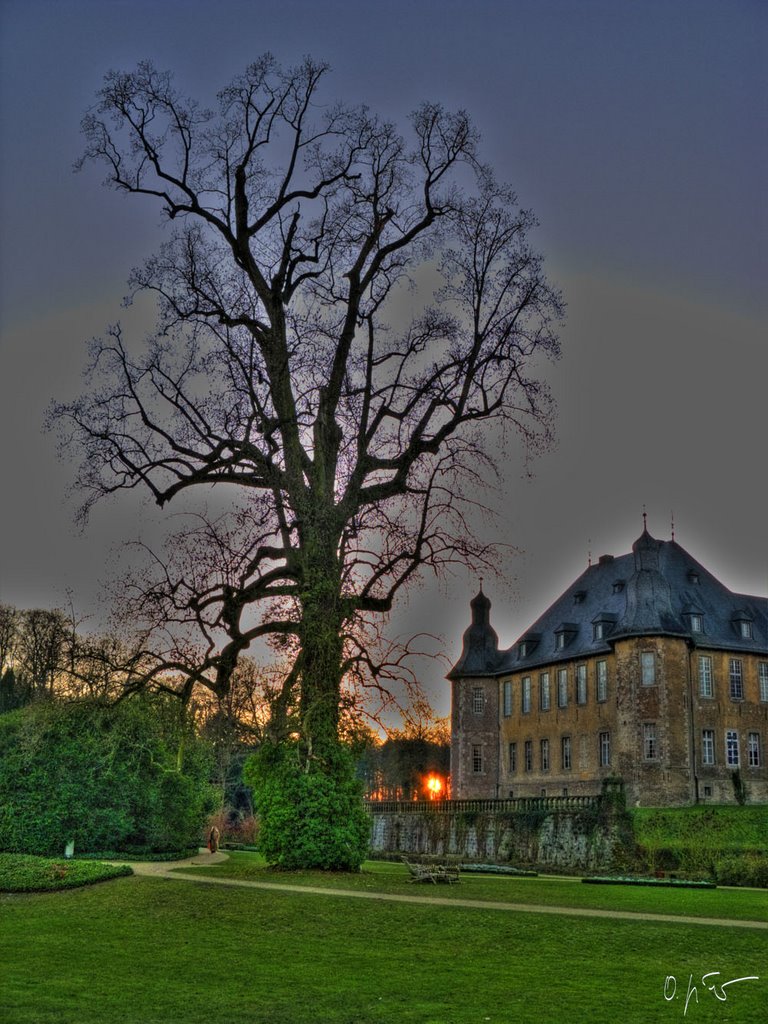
574,834
646,669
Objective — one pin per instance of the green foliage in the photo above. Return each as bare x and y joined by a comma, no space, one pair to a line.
739,788
19,873
311,814
15,691
711,827
703,841
751,870
105,776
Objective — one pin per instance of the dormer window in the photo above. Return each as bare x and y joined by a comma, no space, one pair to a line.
601,625
564,634
693,578
578,597
696,623
618,586
743,624
528,644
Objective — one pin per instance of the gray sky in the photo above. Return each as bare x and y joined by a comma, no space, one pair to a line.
637,133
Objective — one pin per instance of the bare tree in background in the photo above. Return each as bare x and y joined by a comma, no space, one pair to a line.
294,363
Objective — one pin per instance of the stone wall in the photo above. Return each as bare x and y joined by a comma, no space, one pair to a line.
568,834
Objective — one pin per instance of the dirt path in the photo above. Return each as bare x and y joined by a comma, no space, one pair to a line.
169,870
203,858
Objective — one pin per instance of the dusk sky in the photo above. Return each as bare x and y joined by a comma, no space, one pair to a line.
637,133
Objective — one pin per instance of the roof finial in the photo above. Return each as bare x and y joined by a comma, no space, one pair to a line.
645,519
589,552
672,514
481,584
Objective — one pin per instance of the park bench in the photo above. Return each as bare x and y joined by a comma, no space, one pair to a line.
432,873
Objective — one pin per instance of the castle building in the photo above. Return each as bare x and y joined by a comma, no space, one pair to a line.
646,669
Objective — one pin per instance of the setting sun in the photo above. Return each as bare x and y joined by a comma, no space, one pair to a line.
434,786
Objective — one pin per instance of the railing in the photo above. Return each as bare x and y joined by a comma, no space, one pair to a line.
533,803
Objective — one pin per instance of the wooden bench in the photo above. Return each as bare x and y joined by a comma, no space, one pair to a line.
433,873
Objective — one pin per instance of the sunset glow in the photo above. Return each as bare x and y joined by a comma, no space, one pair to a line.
434,787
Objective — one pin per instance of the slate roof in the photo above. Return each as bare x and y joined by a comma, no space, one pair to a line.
653,591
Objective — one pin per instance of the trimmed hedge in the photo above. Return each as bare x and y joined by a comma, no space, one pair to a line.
22,873
131,775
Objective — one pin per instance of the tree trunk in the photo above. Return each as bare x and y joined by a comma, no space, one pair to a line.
321,642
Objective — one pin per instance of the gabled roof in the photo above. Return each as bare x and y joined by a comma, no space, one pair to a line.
662,585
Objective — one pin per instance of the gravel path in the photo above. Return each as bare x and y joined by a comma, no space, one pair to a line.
168,869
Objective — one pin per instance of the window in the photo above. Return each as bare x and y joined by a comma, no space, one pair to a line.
762,672
650,749
736,679
565,752
478,700
529,755
618,586
507,698
732,748
526,694
512,758
477,758
562,687
695,623
560,641
598,630
706,688
523,649
707,791
581,684
604,745
601,670
707,746
648,668
544,691
753,750
544,755
745,629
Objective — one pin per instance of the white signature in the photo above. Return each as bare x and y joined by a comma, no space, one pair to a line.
717,988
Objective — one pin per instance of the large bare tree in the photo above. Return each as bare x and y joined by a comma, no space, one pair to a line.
345,315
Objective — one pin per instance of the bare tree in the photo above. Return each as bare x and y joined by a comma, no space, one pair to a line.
294,363
9,626
41,647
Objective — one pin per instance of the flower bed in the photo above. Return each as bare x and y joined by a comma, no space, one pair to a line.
498,869
677,883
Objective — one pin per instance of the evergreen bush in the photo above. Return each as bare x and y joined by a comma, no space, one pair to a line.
311,812
108,776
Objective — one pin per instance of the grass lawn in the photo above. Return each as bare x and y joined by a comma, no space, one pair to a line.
156,951
383,876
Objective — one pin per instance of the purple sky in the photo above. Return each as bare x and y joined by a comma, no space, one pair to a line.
636,131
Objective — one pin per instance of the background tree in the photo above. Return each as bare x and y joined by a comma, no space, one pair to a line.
293,363
9,625
41,648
